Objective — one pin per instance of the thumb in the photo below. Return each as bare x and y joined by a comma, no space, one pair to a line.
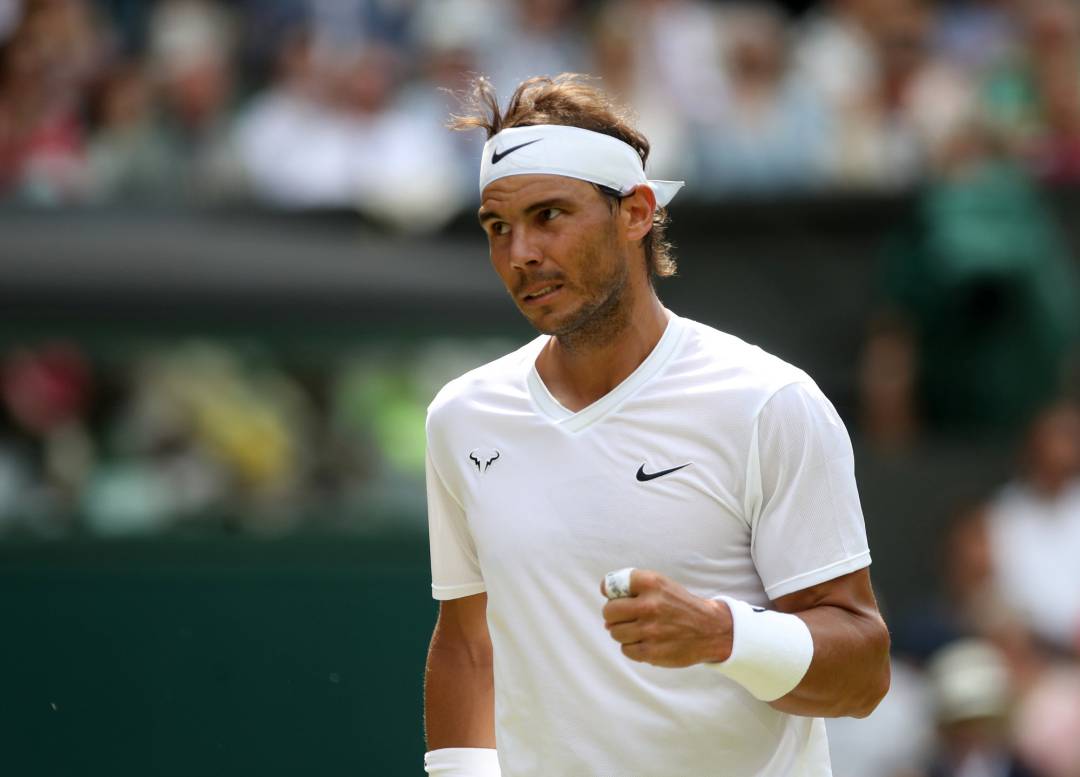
618,584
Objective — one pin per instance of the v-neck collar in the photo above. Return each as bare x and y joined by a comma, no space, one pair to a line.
605,405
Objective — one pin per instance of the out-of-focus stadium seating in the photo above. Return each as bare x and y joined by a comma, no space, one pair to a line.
301,104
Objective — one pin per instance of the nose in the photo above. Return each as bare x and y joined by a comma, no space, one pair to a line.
524,249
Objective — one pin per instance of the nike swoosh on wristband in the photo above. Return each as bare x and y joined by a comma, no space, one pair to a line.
642,475
497,156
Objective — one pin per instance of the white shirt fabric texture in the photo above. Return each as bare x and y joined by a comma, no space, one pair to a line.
533,504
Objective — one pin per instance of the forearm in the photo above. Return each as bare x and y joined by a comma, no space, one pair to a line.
821,652
849,673
459,697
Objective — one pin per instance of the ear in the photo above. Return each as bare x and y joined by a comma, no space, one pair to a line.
638,208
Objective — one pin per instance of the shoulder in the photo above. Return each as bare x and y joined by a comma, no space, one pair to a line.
502,378
755,389
749,372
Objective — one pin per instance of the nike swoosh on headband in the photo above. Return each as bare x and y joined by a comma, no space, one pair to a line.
496,156
572,152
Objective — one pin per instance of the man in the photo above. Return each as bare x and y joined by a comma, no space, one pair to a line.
628,437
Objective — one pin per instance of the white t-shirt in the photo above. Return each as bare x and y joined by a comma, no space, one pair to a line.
533,504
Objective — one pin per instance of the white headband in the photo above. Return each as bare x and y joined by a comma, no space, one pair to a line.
550,149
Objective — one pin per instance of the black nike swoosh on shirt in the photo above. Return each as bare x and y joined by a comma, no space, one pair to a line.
496,156
642,475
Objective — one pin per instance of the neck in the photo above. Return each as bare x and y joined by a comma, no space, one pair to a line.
581,367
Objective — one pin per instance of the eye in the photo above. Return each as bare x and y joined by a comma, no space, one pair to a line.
550,213
500,228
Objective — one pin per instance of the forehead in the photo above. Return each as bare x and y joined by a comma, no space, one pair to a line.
520,191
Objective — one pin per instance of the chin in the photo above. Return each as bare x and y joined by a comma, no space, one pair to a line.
560,325
544,322
545,325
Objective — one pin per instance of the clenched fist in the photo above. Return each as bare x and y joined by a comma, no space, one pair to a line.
663,624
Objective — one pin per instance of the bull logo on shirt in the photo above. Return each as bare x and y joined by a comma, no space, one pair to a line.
483,458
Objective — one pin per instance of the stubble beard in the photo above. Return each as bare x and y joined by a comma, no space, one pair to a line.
602,317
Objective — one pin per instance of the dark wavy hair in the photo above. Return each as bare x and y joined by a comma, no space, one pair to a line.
569,100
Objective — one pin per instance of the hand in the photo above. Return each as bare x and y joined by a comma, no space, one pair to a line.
663,624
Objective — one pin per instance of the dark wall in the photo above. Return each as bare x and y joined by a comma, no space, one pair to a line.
200,659
797,278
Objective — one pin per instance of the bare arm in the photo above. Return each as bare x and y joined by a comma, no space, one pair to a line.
663,624
850,671
459,689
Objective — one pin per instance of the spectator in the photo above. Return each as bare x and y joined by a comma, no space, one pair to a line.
966,605
449,36
972,694
835,50
333,132
893,99
1034,529
10,13
977,34
536,37
662,56
1048,723
45,67
889,414
1032,95
290,145
346,24
128,157
400,166
984,276
771,129
192,56
47,394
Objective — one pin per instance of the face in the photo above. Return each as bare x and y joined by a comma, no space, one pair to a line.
561,250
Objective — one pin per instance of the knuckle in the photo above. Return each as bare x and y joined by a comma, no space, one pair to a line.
647,579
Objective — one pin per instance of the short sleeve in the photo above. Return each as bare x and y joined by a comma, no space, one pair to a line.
455,569
806,521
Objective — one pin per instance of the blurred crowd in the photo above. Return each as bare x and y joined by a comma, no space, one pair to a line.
342,103
986,678
212,437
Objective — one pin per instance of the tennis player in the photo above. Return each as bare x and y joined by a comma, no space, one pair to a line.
646,538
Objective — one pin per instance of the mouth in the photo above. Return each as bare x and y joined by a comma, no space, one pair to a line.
542,294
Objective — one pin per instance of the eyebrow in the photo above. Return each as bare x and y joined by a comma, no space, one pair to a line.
487,215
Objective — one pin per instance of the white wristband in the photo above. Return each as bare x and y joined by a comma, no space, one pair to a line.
462,762
770,651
